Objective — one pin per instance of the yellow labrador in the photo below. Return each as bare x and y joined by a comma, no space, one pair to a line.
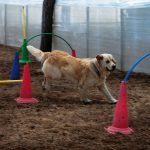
84,72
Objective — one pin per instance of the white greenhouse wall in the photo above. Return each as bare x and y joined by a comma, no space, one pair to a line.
90,30
125,33
135,38
11,24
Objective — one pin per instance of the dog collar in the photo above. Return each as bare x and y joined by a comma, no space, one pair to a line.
95,69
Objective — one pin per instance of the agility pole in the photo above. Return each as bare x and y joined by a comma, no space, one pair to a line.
10,81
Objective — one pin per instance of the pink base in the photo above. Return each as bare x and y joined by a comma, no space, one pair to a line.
26,100
114,130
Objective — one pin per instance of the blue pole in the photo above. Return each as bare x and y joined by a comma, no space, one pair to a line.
134,65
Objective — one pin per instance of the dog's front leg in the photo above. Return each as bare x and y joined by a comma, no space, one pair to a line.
106,92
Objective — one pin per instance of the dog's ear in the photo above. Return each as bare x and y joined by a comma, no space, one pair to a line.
45,56
99,58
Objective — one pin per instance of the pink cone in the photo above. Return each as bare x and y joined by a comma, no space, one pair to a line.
26,92
120,120
74,53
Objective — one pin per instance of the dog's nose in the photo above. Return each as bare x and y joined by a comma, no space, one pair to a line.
114,67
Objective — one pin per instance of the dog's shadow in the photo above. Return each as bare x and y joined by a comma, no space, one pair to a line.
70,101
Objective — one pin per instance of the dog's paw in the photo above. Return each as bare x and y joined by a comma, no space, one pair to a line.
43,88
87,101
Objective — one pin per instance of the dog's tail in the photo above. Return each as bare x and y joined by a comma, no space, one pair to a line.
37,53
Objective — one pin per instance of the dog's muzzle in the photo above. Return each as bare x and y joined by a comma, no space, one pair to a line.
113,68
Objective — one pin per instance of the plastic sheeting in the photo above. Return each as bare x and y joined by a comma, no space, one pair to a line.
87,3
107,3
11,23
97,3
134,3
124,33
135,38
21,2
90,30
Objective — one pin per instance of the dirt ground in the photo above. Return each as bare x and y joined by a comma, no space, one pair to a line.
60,121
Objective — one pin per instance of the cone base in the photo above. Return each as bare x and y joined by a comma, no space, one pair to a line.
24,61
26,100
114,130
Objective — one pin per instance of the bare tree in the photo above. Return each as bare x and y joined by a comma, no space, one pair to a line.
47,22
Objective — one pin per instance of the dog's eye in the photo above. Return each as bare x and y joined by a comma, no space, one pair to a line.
107,61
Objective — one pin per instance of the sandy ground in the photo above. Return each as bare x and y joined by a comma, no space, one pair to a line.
60,121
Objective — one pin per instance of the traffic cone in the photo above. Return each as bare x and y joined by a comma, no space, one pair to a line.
25,92
15,71
24,53
74,53
120,120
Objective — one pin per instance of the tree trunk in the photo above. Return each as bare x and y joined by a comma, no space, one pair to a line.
47,22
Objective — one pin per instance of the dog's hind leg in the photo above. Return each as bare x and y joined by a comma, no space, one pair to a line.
45,84
83,91
83,95
106,92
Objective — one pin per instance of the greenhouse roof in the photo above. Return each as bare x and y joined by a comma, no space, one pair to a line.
98,3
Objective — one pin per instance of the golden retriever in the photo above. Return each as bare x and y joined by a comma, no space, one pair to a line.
84,72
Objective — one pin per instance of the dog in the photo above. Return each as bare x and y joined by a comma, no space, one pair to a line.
84,72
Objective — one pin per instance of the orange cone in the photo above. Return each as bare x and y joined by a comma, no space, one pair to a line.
25,92
120,120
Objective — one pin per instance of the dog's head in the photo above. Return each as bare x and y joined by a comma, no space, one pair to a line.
106,61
